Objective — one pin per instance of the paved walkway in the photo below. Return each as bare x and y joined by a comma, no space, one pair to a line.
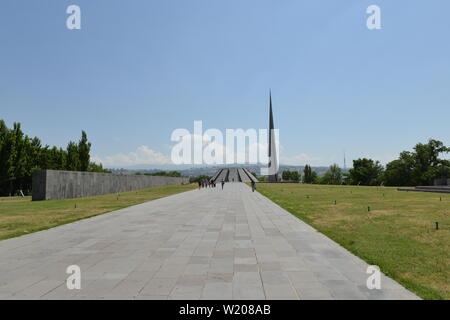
202,244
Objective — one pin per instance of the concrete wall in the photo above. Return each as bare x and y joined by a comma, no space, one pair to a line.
441,182
54,184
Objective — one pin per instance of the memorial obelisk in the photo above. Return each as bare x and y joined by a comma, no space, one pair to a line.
273,160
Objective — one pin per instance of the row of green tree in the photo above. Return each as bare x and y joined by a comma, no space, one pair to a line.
20,155
418,167
161,173
196,179
334,175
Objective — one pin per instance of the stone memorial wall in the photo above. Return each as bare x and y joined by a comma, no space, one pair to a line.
54,184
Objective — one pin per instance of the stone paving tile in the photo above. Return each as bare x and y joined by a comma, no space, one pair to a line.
219,277
170,271
20,284
199,260
280,292
151,297
245,260
187,247
159,286
275,278
126,288
269,266
196,269
192,280
246,268
186,292
217,291
39,289
244,252
249,292
313,291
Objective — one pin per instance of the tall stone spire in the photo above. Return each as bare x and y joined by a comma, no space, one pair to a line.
271,126
273,161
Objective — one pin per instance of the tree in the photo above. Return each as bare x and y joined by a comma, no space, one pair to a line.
174,174
286,175
84,148
365,172
419,167
332,176
93,167
20,155
295,176
400,172
6,160
309,176
428,166
199,178
18,158
73,157
164,174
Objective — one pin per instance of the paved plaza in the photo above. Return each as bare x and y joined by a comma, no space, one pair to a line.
201,244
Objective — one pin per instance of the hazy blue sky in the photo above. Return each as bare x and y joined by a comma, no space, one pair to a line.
139,69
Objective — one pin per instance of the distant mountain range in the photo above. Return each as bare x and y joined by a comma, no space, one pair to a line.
188,170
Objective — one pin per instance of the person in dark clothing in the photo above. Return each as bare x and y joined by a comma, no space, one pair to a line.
222,182
199,184
253,186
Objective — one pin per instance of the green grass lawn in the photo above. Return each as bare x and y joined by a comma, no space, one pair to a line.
398,233
19,216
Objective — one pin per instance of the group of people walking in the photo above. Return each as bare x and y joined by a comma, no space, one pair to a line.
205,183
